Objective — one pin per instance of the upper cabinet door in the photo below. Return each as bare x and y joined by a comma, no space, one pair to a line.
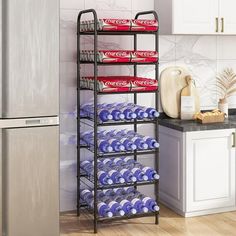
30,58
227,16
194,17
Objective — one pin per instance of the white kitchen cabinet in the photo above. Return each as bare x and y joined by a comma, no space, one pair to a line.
227,16
197,171
215,17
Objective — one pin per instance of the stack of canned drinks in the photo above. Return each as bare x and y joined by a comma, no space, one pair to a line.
119,56
119,83
120,25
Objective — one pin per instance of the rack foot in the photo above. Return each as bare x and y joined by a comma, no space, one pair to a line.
78,212
95,226
157,219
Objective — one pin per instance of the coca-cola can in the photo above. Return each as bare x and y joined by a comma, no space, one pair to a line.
143,84
110,84
114,24
144,56
114,84
109,56
144,25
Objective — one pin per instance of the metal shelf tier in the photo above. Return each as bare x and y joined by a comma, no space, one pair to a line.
101,187
117,154
89,210
115,93
118,123
128,33
95,122
119,63
115,218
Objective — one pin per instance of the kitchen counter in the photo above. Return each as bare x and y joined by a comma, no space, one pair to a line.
188,126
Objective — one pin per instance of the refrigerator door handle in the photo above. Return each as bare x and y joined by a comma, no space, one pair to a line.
42,121
29,122
32,122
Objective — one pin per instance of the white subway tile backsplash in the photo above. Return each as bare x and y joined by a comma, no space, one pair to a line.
67,184
142,5
72,4
68,102
196,47
68,74
146,71
68,124
104,5
226,49
68,45
164,64
116,71
146,42
68,18
223,64
115,43
68,29
126,14
167,48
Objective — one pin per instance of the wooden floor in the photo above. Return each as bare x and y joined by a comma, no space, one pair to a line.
170,224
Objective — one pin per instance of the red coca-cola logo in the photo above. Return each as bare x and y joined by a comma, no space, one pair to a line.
145,22
116,21
145,54
116,54
143,83
116,83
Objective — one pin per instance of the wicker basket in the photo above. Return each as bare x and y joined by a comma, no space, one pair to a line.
219,118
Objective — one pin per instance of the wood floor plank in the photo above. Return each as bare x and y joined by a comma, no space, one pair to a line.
170,224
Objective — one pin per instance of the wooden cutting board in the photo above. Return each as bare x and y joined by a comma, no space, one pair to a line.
172,81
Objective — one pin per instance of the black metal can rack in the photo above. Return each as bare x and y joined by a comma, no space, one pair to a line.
96,33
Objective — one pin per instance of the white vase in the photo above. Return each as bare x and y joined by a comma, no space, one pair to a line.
224,107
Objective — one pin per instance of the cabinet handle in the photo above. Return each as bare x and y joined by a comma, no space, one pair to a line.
222,25
217,24
234,139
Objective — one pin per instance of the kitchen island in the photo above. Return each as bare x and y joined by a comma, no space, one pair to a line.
197,166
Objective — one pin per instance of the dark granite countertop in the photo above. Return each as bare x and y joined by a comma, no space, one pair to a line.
187,126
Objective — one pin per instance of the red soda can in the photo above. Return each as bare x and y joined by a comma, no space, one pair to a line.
143,84
144,25
114,24
111,56
144,56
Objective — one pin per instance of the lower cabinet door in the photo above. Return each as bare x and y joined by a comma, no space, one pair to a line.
210,170
30,181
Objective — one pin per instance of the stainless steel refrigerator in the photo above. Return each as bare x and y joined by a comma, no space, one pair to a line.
29,107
